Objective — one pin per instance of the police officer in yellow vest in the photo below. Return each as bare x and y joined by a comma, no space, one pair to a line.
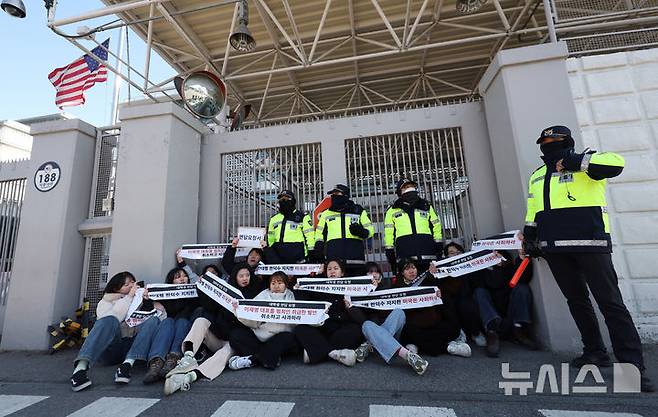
290,233
344,226
567,224
412,229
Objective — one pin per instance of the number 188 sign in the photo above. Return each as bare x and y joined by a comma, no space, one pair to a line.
47,176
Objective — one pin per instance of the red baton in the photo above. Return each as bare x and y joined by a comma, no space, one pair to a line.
519,272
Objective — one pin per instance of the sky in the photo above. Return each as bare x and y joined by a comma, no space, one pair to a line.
29,51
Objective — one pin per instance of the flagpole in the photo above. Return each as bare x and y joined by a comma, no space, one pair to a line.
117,80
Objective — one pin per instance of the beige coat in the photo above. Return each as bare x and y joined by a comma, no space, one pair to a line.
264,330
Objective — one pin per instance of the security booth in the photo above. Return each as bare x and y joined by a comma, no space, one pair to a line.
450,93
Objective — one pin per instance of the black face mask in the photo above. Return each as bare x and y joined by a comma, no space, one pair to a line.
555,151
410,197
286,206
339,202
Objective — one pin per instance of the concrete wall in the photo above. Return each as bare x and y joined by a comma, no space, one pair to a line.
525,90
332,134
47,269
616,98
15,141
157,183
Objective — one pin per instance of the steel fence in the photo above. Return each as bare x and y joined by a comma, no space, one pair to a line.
12,193
433,158
251,181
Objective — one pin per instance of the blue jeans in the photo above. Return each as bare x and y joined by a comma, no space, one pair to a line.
518,311
384,338
105,344
169,337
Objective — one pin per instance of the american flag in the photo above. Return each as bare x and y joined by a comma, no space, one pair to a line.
72,80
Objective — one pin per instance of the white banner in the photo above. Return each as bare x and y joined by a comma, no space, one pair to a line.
343,286
250,237
219,290
171,291
290,269
136,302
466,263
209,251
403,298
138,317
288,312
504,241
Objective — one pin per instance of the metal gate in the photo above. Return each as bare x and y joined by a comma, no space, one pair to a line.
433,158
12,193
251,181
97,246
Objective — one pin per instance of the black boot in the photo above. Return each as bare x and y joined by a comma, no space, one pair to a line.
153,372
645,384
599,359
493,344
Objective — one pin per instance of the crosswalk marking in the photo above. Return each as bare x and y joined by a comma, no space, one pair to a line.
253,409
115,407
571,413
409,411
12,403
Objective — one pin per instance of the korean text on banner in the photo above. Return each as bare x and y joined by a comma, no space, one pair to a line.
208,251
290,269
504,241
250,237
342,286
403,298
218,290
171,291
466,263
285,312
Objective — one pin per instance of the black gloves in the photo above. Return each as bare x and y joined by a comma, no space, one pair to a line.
390,256
572,161
358,230
439,250
317,254
531,242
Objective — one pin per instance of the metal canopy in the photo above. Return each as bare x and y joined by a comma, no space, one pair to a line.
315,58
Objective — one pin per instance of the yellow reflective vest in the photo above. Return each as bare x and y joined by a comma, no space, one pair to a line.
334,229
414,235
567,211
291,238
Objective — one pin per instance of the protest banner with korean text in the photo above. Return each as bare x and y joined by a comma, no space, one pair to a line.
171,291
504,241
341,286
402,298
466,263
219,290
285,312
290,269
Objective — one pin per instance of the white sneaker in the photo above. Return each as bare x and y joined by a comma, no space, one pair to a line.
459,349
185,364
418,364
480,340
306,358
346,356
177,382
240,362
412,348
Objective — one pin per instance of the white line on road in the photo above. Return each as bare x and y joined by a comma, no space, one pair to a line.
12,403
571,413
253,409
407,411
115,407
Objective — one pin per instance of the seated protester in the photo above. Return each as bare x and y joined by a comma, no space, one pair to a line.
460,289
213,330
254,257
338,335
383,334
190,273
431,330
264,343
503,309
110,340
166,345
